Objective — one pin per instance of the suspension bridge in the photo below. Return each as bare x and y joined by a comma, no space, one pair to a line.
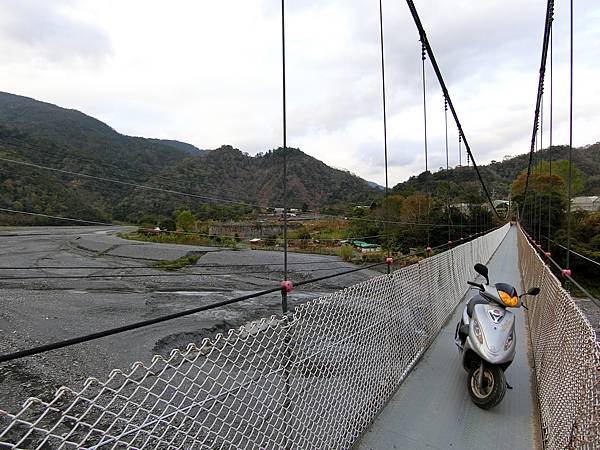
370,366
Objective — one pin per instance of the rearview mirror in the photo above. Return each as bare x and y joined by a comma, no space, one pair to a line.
533,291
483,271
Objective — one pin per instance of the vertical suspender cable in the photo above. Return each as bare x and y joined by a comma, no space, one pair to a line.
533,228
285,205
387,203
459,151
447,167
460,165
541,171
424,102
550,148
284,287
446,125
423,53
570,142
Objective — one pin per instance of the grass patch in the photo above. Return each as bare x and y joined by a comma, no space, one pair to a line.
181,238
172,265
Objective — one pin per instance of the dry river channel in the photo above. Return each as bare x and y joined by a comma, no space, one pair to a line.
37,308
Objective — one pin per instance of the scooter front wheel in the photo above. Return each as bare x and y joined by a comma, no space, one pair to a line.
493,386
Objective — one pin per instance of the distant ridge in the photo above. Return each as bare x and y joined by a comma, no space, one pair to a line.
183,146
46,134
499,175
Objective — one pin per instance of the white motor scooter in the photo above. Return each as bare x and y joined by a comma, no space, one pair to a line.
486,338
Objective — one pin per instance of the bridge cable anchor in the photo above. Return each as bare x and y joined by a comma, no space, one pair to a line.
287,286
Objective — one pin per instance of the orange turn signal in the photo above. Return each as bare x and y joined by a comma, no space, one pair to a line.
508,300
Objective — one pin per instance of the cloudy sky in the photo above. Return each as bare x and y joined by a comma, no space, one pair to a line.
209,73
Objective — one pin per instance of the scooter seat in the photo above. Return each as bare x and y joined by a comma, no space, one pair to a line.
476,300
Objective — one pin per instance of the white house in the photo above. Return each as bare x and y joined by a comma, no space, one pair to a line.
591,203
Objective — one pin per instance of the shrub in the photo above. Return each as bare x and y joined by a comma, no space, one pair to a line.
346,252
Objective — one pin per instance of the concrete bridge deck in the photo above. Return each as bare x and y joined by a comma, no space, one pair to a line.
432,408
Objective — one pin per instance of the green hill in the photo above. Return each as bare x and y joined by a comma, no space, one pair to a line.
44,134
498,176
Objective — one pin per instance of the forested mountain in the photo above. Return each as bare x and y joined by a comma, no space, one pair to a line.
227,173
44,134
499,176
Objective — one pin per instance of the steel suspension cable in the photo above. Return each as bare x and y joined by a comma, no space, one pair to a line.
423,57
570,176
425,41
459,151
574,252
540,90
565,273
385,152
446,129
550,149
541,171
536,194
284,305
447,168
145,323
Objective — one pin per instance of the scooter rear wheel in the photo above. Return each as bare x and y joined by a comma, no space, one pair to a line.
493,386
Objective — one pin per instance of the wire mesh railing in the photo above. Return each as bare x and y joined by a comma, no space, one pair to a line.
567,359
312,379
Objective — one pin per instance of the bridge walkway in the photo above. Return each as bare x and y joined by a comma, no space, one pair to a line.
432,408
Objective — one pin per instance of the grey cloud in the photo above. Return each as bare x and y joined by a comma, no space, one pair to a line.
401,152
461,44
53,35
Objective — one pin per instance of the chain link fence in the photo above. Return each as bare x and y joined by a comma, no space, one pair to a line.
314,379
567,359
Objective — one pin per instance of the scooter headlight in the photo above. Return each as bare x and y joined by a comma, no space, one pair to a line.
508,300
477,331
509,341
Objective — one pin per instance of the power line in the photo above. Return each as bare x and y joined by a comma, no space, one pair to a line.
73,155
14,211
128,183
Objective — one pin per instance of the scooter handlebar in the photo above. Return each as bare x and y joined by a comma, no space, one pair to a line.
477,285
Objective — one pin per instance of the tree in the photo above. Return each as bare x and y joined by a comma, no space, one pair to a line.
560,167
544,190
185,220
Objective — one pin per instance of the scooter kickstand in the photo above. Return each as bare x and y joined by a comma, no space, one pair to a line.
508,386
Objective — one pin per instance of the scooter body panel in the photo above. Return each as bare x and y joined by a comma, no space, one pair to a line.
491,334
